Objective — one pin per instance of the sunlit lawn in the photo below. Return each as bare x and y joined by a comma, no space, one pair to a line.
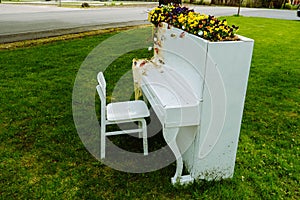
42,156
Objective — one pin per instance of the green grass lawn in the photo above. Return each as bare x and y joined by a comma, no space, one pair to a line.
42,156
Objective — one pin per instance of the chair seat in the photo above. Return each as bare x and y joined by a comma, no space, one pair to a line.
127,110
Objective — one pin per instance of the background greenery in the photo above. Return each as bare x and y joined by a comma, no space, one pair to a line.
42,157
278,4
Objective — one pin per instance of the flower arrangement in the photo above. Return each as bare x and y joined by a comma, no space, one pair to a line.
205,26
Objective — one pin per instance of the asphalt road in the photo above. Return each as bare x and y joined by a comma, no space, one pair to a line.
20,22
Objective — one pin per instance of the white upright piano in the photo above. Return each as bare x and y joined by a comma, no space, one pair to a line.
197,89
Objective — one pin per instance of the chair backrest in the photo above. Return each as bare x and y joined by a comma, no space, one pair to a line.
101,81
101,89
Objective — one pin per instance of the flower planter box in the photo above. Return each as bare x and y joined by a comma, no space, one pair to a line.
217,74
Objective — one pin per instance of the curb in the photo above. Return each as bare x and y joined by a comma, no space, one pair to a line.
58,32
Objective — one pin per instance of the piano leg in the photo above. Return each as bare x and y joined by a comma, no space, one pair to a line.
170,135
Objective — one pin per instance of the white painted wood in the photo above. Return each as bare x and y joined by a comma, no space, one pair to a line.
121,112
211,79
224,94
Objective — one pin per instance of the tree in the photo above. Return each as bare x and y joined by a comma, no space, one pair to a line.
277,3
239,8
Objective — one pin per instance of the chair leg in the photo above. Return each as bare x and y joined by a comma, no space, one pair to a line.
145,139
140,126
102,145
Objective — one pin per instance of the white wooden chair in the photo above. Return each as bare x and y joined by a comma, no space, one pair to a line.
121,112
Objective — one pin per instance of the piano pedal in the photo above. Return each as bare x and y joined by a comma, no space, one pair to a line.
182,180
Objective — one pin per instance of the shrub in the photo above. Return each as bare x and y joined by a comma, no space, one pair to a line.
85,5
